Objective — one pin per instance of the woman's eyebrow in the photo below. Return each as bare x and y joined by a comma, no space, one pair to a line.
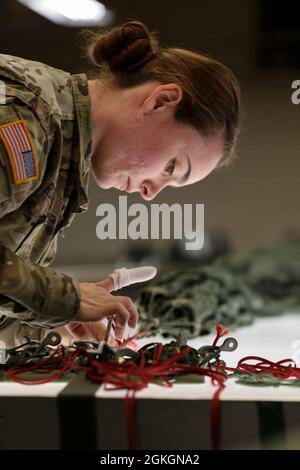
187,173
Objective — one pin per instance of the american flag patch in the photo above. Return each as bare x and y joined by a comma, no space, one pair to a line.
19,146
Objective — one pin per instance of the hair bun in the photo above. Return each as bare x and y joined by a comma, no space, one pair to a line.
125,48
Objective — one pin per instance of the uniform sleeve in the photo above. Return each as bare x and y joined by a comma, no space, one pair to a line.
36,294
51,299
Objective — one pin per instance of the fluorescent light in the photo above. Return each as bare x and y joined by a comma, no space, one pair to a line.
71,12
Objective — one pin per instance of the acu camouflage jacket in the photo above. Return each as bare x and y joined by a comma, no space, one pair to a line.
45,145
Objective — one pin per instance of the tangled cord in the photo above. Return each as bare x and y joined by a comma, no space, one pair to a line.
283,369
137,372
127,374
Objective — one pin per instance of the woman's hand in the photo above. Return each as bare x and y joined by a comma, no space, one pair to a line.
97,303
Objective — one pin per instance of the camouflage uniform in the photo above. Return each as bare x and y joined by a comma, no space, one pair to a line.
53,107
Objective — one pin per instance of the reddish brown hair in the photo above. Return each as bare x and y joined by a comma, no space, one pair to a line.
211,94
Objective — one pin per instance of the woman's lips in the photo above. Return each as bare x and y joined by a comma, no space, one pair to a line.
127,185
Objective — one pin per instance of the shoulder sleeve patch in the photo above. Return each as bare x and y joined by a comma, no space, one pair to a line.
20,149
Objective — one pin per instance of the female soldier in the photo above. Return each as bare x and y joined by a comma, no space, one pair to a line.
153,117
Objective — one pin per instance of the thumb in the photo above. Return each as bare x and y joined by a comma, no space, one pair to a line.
107,283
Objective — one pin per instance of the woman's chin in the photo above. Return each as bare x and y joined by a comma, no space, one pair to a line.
104,184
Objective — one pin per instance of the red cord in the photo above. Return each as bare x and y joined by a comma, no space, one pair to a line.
220,331
283,369
129,410
134,377
60,364
129,342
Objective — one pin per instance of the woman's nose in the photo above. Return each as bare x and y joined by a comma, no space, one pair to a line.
149,190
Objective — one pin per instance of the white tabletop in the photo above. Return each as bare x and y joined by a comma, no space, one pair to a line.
274,338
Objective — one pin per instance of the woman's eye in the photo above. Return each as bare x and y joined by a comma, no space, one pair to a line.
170,167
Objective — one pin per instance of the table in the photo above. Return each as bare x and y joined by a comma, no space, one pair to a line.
77,414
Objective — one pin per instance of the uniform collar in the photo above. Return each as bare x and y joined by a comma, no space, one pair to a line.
83,114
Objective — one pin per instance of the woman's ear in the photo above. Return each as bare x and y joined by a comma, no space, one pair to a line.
163,97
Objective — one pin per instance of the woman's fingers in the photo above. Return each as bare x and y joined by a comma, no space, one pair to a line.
96,303
106,283
124,311
121,316
133,313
